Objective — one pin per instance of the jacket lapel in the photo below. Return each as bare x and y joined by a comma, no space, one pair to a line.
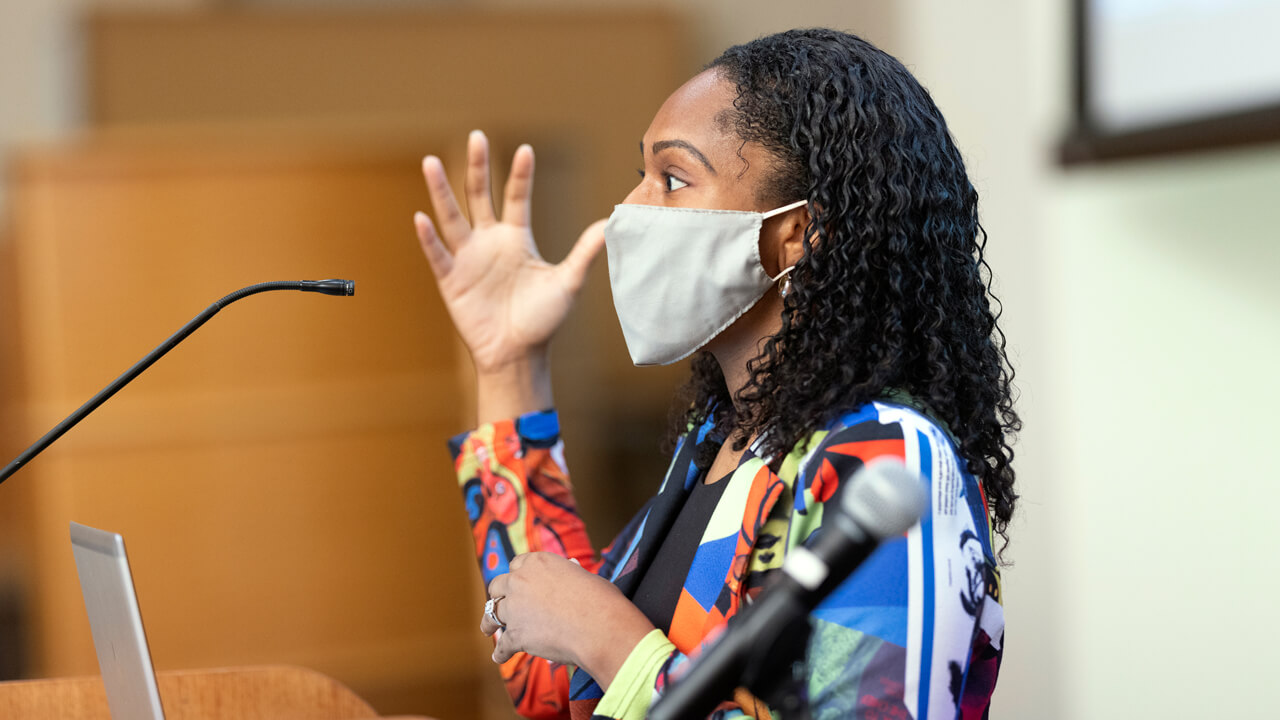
765,492
662,512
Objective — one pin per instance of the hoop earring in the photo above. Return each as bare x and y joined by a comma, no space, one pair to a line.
784,288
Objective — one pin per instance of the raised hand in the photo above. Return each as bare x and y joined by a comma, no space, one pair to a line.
504,299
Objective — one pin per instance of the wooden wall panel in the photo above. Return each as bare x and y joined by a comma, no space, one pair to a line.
532,67
581,84
281,477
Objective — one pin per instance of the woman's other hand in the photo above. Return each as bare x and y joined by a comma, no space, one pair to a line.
504,299
554,609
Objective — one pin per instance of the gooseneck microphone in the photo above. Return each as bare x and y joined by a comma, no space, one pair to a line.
327,287
883,500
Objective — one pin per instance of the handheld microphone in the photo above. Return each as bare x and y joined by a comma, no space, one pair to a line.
327,287
883,500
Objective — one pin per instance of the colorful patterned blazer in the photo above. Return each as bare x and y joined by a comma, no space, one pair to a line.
915,632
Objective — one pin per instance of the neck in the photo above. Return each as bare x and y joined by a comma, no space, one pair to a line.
743,340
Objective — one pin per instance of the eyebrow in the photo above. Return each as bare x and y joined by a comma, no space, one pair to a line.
661,145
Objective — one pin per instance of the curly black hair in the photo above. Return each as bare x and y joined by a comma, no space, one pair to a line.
893,293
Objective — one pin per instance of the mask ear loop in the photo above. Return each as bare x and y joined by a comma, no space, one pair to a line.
784,208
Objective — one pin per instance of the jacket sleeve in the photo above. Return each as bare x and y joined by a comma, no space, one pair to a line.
653,663
916,631
518,499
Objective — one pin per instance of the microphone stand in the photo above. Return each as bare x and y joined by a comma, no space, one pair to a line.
773,670
327,287
777,671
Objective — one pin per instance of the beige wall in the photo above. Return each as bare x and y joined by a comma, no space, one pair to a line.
1142,316
36,90
1167,319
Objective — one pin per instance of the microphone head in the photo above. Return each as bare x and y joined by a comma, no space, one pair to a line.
885,498
342,288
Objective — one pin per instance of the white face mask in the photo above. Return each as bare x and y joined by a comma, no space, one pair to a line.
682,275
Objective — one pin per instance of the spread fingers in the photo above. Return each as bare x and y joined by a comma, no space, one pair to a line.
453,225
479,199
517,197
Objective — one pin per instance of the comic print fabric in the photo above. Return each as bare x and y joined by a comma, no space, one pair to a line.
915,632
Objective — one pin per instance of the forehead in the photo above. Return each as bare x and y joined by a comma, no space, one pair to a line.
693,113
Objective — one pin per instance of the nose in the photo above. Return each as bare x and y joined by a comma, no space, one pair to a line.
641,194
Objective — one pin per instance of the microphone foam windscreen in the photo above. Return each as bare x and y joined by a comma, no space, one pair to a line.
886,498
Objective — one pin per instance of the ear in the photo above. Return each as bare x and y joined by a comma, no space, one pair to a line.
782,240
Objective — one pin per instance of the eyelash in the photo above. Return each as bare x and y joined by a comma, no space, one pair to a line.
667,178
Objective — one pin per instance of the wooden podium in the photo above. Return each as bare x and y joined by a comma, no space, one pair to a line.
273,692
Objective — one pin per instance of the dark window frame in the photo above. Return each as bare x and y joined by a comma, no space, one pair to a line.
1088,142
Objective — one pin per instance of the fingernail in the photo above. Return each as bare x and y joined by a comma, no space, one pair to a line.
419,216
477,133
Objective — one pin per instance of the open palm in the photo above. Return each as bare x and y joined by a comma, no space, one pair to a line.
504,299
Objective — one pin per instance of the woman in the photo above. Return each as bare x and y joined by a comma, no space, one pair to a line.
838,312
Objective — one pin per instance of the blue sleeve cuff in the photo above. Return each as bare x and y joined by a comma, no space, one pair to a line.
540,428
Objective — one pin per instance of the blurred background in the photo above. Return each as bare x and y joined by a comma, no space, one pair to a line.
282,478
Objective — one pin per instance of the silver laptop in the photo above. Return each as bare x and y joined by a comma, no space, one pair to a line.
116,622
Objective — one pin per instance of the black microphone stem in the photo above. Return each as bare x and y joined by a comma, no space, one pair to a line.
328,287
